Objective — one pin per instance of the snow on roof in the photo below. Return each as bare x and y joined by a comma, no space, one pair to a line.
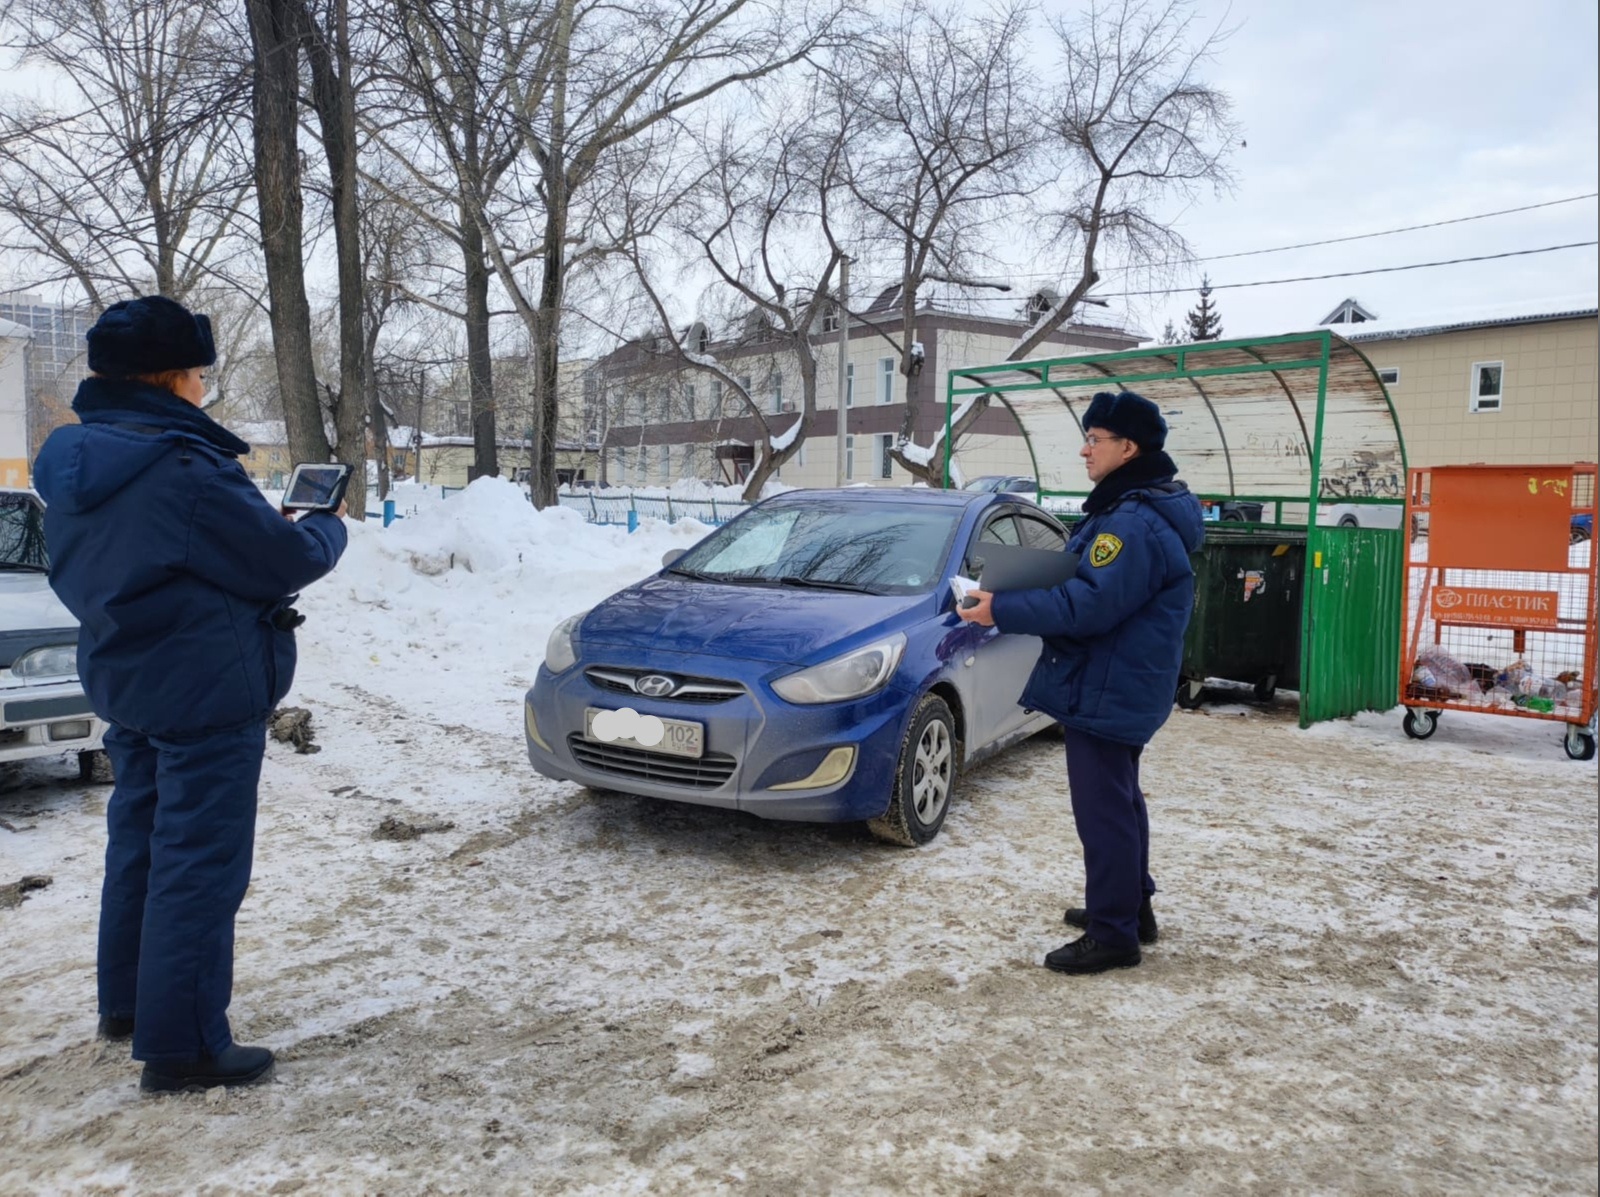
260,432
10,328
1563,307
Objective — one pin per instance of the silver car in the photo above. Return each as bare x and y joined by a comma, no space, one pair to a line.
43,711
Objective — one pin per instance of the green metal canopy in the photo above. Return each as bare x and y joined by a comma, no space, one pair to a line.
1291,421
1302,417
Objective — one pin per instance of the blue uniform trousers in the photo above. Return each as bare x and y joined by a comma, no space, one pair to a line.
181,831
1108,807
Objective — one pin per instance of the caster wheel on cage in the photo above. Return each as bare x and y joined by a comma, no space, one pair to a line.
1266,688
1419,725
1579,743
1190,692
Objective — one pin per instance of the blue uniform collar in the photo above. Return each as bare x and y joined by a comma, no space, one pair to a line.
128,401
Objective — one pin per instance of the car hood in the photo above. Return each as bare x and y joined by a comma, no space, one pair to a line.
28,604
761,623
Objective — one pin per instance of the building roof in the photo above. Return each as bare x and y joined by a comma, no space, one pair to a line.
1403,329
10,328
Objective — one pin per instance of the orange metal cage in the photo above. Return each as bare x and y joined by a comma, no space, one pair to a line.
1500,593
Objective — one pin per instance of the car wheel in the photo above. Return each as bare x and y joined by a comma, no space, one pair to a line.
1349,521
1579,534
1233,516
923,780
94,767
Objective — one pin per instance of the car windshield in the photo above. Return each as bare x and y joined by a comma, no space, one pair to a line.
875,548
22,534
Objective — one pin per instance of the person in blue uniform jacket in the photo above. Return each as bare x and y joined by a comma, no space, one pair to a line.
1113,645
181,575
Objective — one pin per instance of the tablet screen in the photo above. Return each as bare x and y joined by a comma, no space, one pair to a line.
313,486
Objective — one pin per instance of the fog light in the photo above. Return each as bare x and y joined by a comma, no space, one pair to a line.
532,725
73,729
835,768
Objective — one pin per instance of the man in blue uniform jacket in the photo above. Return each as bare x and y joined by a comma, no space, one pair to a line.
181,575
1113,645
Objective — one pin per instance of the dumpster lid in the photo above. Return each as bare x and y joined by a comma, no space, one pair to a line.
1246,418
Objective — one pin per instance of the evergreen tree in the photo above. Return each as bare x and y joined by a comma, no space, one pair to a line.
1204,323
1169,334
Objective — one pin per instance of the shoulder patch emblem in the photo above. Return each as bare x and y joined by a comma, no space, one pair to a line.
1104,550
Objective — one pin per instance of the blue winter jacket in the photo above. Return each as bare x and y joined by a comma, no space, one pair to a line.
173,562
1113,632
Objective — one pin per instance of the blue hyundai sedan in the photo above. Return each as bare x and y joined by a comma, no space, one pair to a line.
803,662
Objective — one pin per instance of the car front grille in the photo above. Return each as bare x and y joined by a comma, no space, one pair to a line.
707,773
689,689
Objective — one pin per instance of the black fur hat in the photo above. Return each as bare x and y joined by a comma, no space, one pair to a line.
147,336
1123,413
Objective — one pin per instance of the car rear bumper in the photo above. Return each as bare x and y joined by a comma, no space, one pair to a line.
751,744
47,721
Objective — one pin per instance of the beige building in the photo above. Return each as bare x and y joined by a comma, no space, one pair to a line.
665,421
1503,391
13,404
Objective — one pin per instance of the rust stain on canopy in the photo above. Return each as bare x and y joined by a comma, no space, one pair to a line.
1244,417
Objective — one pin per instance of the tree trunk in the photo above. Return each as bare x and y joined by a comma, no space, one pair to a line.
333,93
480,365
275,48
547,326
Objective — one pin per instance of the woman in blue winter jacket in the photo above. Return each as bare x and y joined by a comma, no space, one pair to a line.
180,574
1113,645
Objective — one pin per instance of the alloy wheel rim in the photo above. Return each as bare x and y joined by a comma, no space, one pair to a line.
930,779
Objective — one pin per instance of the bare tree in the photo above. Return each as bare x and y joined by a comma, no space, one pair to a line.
135,181
462,62
756,204
277,32
1133,125
943,145
608,80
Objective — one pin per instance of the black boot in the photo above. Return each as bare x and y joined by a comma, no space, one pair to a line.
114,1028
1077,916
1083,956
234,1065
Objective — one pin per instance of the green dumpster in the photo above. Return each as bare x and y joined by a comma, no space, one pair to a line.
1249,588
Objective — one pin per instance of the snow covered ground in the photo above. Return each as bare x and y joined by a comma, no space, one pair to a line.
1377,969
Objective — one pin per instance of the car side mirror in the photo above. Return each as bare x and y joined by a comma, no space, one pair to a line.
670,556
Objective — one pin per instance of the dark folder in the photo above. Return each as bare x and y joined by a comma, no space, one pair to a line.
1015,567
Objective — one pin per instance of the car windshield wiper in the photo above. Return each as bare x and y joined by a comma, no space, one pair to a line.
690,573
825,584
733,579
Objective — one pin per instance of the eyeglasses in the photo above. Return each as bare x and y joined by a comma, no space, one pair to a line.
1093,441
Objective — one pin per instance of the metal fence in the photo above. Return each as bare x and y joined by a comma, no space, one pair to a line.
627,508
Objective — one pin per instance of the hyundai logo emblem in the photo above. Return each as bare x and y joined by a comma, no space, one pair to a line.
654,685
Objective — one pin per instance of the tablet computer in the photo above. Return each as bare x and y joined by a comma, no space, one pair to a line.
1017,567
316,487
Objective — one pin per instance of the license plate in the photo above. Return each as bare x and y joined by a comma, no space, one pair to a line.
680,738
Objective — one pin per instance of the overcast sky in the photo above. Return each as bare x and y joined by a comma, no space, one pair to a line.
1374,114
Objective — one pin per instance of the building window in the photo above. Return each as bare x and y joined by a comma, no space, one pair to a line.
885,461
621,470
849,384
716,399
664,405
800,457
691,460
775,385
1488,385
666,465
830,319
688,401
749,390
849,457
886,380
1389,376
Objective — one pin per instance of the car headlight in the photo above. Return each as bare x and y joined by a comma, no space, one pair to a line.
58,660
562,650
854,675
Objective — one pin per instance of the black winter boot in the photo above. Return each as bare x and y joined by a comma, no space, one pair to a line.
1083,956
234,1065
1077,916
